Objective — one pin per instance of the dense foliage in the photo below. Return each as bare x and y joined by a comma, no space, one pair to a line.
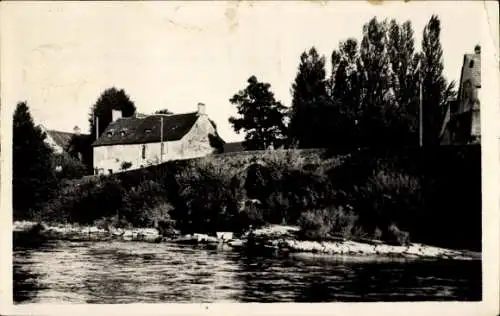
68,167
260,116
80,148
436,90
371,97
33,177
110,99
164,111
396,195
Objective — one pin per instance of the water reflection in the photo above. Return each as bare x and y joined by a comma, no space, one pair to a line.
121,272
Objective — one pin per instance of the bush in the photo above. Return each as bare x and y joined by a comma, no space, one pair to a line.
251,214
345,224
398,237
206,201
316,225
388,197
324,224
125,165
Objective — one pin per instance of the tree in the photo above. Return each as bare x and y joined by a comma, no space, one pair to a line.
164,111
345,93
378,101
310,103
110,99
261,116
33,178
80,148
404,62
436,90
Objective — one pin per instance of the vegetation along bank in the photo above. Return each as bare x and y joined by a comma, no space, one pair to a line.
412,195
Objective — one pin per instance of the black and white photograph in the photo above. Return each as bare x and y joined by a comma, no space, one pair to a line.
249,152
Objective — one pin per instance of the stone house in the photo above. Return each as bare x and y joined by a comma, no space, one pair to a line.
143,140
57,140
461,124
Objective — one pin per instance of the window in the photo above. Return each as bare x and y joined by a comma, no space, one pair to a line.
471,64
143,151
109,133
123,134
147,131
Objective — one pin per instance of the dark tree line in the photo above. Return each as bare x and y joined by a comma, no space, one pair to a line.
35,166
33,176
370,99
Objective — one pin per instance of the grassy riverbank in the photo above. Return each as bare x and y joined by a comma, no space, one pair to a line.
430,196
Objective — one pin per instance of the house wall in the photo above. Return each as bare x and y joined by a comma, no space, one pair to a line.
466,121
194,144
476,117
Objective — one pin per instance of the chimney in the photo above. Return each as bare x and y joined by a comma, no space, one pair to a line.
116,114
76,130
477,49
201,108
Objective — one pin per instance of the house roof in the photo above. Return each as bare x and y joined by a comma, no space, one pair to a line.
61,138
233,147
139,130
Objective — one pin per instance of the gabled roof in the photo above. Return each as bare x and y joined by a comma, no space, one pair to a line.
61,138
139,130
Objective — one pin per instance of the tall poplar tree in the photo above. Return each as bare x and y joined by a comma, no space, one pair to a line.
404,62
378,100
345,93
310,103
436,90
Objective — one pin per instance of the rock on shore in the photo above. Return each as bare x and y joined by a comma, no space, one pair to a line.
363,249
276,238
283,238
87,233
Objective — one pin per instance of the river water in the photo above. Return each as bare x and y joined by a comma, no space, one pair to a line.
132,272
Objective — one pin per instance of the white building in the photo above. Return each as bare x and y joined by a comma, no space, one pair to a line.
140,141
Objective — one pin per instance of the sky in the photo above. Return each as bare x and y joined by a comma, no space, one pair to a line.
60,56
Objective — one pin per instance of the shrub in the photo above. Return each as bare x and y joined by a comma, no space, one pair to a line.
68,167
396,236
125,165
345,223
251,214
325,223
315,225
206,203
388,197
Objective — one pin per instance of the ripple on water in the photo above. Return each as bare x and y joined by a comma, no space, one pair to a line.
121,272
